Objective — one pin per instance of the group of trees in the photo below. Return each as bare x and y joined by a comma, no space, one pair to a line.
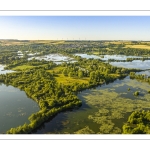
138,123
129,59
34,62
141,77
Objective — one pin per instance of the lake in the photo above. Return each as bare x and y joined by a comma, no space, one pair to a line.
15,107
117,57
88,56
137,64
106,57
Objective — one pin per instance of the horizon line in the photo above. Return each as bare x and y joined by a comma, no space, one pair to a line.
64,40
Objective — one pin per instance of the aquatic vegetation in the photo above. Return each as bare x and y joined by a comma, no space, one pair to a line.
112,106
136,93
106,128
85,130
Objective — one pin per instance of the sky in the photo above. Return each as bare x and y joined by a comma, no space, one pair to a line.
75,27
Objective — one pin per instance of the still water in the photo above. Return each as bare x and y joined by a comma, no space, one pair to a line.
15,107
106,57
57,58
2,71
137,64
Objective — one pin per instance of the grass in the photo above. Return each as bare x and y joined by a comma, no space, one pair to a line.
65,79
69,80
119,42
23,67
56,69
17,42
95,53
138,46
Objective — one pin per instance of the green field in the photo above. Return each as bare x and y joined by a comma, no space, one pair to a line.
65,79
22,67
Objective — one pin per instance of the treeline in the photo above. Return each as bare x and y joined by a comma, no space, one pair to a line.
34,62
129,59
142,59
138,123
141,77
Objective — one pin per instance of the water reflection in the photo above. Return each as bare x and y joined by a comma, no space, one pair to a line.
57,58
2,71
138,64
15,107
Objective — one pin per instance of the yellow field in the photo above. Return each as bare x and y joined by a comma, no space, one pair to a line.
138,46
47,41
15,42
119,42
7,43
68,81
95,53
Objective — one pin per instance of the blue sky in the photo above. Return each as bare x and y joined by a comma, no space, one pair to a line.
75,27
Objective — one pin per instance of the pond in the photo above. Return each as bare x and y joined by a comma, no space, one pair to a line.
2,71
15,107
104,109
117,57
88,56
57,58
137,64
106,57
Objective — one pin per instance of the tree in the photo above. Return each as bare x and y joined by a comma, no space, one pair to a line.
80,74
92,75
136,93
70,74
65,72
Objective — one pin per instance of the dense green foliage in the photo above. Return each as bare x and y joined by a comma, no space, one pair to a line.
140,77
138,123
136,93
